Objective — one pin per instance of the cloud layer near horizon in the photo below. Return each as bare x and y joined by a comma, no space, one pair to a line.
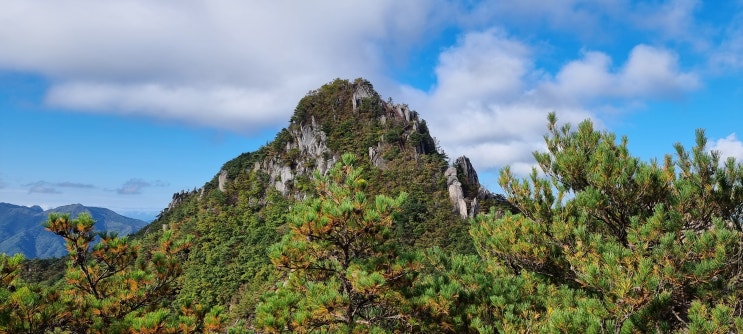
243,65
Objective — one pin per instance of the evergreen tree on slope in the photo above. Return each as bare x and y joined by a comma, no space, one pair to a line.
343,273
608,243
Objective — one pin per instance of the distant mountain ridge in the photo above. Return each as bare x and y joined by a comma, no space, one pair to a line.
21,229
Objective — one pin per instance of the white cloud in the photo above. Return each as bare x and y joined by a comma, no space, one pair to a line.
491,101
729,146
235,108
243,65
648,73
229,64
651,72
582,79
487,64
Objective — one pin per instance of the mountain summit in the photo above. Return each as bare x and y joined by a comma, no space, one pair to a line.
351,117
241,212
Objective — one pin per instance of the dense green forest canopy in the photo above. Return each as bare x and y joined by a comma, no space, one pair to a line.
593,240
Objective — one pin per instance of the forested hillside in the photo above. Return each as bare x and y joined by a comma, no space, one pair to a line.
240,213
353,220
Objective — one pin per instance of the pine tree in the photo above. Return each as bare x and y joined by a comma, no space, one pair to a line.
343,273
10,267
114,287
24,307
609,243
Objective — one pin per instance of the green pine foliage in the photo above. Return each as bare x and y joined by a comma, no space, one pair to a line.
343,272
232,229
426,218
613,244
25,307
594,240
113,286
228,264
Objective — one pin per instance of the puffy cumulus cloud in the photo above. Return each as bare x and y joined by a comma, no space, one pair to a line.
651,72
729,146
228,107
232,64
243,65
582,79
480,81
480,106
487,63
491,101
648,73
485,104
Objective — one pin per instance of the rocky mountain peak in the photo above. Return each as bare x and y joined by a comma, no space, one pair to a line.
341,117
349,116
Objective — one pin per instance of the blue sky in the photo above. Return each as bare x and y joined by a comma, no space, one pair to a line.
121,104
